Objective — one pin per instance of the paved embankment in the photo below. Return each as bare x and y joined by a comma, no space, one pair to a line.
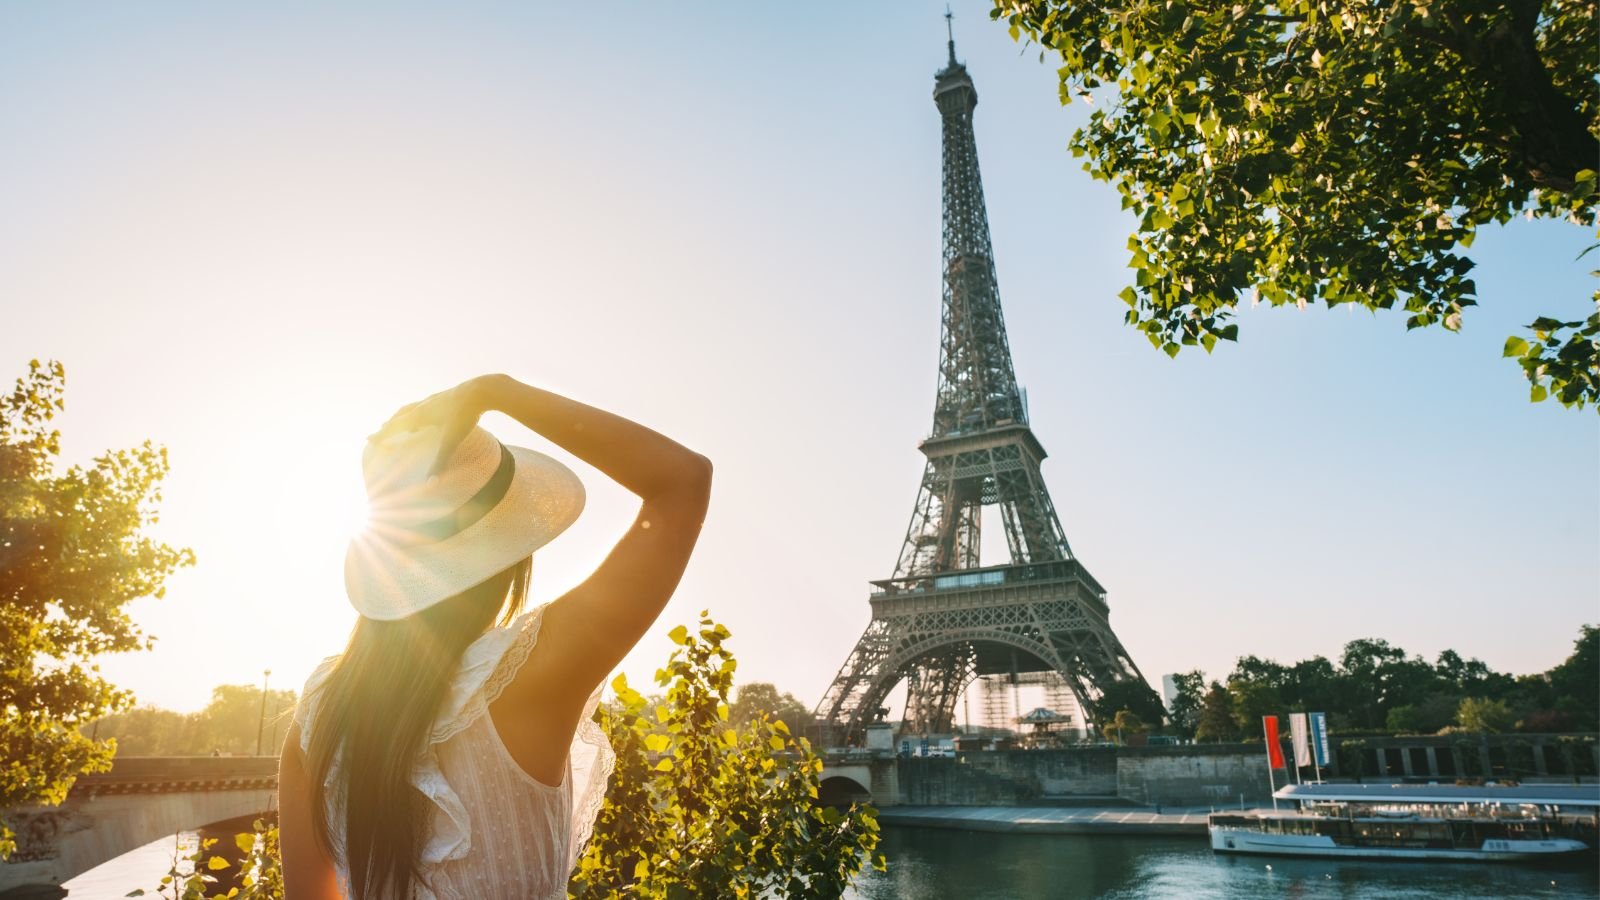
1050,820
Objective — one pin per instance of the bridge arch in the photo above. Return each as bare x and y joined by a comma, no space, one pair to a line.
842,790
139,801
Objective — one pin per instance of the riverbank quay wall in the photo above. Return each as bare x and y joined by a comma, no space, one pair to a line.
1190,775
1087,776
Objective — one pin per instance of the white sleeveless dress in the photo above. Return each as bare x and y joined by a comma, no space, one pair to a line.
494,830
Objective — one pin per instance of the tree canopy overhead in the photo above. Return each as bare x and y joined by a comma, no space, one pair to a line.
1318,150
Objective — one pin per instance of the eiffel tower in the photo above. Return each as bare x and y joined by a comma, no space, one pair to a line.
943,621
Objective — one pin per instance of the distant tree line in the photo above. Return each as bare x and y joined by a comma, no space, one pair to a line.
1376,687
229,725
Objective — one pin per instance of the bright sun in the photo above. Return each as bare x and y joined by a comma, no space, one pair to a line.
313,501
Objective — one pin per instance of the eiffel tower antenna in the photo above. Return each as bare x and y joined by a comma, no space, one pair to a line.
950,30
943,621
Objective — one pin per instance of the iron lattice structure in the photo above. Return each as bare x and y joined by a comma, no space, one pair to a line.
943,621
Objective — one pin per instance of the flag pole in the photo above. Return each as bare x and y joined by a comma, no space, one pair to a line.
1272,783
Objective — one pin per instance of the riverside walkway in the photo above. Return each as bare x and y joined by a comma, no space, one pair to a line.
1052,820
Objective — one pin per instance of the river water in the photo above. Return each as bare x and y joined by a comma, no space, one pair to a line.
938,864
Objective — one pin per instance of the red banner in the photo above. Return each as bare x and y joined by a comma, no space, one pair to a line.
1274,749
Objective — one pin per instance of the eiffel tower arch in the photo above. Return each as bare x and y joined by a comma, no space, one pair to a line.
943,620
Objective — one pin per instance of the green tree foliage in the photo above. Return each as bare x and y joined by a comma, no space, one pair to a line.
1217,722
73,554
703,808
1124,725
1480,714
149,731
758,699
1133,695
1576,682
228,724
233,719
1309,150
1187,701
1378,687
1430,716
1251,701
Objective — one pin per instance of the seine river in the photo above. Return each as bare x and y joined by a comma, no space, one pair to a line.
936,864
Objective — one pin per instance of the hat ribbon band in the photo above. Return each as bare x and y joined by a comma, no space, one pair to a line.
478,506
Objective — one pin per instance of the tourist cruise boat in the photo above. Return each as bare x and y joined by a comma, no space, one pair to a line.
1417,821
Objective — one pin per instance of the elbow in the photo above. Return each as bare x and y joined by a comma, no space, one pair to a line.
686,481
694,483
700,471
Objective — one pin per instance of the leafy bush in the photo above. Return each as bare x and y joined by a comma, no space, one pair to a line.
700,808
259,875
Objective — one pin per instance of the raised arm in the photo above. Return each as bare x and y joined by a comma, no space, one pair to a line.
587,631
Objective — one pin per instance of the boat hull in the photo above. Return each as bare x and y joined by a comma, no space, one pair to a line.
1243,841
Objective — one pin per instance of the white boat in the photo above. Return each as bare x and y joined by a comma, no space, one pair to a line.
1408,821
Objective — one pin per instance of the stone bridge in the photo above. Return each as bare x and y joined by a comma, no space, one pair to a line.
140,800
859,776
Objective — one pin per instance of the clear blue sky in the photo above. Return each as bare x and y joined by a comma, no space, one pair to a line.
250,232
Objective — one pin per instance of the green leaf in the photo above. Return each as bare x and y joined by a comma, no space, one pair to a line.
1515,346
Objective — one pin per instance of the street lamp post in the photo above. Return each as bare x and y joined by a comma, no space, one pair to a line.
262,719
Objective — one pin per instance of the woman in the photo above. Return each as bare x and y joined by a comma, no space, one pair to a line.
440,756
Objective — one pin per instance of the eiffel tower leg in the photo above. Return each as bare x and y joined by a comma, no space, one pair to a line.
933,687
844,708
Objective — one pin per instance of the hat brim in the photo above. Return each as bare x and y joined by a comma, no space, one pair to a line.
388,580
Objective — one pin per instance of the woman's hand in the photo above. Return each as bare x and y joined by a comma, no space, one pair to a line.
454,412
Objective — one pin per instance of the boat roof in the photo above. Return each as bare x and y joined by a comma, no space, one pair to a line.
1584,795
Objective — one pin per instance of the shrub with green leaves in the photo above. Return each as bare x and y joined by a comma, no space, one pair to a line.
700,808
193,877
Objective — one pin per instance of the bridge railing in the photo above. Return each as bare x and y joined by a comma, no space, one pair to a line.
154,774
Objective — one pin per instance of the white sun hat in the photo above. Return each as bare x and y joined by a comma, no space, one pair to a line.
432,537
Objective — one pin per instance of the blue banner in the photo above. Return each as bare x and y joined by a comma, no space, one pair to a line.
1319,738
